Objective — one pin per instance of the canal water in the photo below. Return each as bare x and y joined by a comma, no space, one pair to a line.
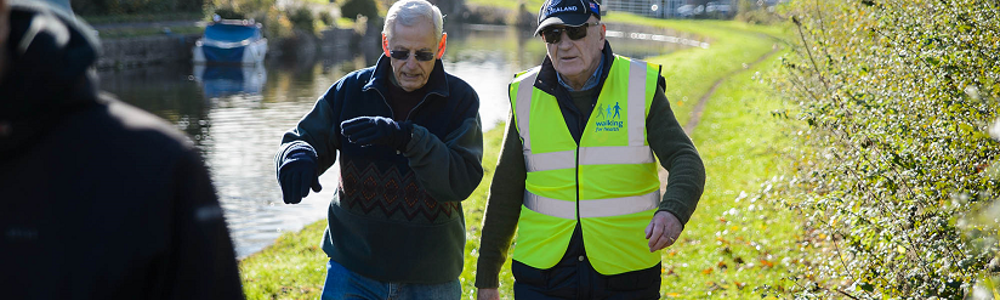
236,116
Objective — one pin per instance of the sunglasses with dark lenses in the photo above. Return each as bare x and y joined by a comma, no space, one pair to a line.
405,54
553,35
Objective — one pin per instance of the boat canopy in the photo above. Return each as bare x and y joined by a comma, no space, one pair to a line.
231,34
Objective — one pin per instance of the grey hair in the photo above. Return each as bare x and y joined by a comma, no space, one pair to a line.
409,12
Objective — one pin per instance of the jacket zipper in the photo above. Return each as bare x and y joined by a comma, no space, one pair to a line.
385,101
408,114
393,113
421,103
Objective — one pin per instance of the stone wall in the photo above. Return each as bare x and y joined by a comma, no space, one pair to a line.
130,52
149,50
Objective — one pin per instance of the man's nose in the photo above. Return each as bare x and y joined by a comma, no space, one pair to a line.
564,41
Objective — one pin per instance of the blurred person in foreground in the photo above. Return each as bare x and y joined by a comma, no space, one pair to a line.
98,199
410,143
577,177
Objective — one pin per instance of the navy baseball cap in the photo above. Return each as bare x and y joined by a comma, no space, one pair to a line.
566,12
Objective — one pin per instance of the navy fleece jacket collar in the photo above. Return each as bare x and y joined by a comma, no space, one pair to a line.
380,81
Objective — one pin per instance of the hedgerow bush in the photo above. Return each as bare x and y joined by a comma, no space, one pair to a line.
894,99
303,18
277,24
354,8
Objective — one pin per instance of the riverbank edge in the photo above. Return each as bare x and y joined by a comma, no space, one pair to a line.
294,266
130,52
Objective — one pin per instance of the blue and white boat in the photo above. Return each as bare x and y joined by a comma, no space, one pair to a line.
231,42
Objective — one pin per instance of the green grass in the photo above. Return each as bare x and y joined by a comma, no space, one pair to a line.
344,23
691,72
293,268
733,247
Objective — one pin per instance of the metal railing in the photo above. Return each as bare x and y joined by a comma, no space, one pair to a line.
649,8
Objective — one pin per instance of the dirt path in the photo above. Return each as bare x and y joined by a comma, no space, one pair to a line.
699,108
703,101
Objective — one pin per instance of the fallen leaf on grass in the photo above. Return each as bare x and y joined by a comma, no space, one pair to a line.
766,263
707,271
669,272
715,287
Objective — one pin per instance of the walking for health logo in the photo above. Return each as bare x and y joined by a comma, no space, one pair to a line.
606,121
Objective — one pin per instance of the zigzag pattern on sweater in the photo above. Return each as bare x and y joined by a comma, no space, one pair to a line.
390,195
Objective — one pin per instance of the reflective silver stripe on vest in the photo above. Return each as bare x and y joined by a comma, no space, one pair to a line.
591,208
550,207
616,155
523,110
550,161
637,103
611,155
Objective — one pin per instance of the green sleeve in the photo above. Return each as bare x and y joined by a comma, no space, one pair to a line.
452,168
318,130
678,155
503,209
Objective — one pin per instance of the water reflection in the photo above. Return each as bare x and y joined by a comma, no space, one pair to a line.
229,80
237,115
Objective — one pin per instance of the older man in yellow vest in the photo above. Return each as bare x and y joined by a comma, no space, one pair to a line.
581,188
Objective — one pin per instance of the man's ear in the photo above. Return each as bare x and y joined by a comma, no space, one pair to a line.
604,33
443,45
385,45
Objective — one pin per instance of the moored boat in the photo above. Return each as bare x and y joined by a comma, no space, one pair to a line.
231,42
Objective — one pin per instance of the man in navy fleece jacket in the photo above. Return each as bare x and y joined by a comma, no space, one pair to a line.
410,143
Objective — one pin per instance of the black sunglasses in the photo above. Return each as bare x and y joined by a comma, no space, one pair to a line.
553,35
405,54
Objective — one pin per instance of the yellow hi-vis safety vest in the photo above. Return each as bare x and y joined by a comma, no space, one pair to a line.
608,182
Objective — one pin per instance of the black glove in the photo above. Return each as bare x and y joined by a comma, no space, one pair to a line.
296,175
376,130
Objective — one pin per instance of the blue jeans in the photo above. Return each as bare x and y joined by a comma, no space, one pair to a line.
341,283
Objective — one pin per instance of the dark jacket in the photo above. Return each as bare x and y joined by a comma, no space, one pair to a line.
397,216
573,277
98,199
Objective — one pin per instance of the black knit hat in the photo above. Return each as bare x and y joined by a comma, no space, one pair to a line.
566,12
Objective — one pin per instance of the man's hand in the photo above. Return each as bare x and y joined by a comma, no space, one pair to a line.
377,130
663,230
488,294
296,176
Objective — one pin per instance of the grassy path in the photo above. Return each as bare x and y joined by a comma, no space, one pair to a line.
695,116
733,247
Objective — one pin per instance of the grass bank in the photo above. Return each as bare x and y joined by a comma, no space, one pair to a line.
691,72
733,247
